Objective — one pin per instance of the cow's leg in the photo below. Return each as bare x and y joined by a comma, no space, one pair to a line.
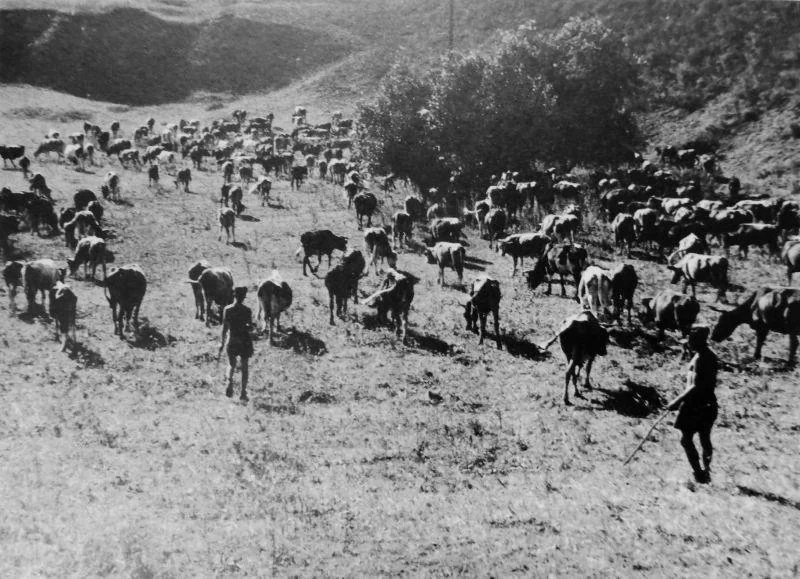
482,317
761,336
589,363
496,317
208,313
331,306
793,343
563,287
569,374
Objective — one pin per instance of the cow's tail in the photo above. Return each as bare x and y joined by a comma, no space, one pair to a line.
546,346
297,253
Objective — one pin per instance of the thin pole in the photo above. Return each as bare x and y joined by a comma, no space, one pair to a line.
646,436
451,26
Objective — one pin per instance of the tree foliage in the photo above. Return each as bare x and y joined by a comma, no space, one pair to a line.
560,96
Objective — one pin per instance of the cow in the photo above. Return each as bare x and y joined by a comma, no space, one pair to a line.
342,282
484,297
395,296
694,268
297,175
245,173
210,285
563,259
227,171
727,220
12,276
760,234
767,309
129,157
63,306
403,226
763,210
495,225
196,154
447,229
377,248
152,175
89,251
647,225
791,258
594,291
183,177
50,146
319,242
560,226
117,146
670,310
24,164
274,297
40,276
415,207
110,186
84,223
235,194
38,185
582,339
82,198
262,187
40,211
10,153
624,282
522,245
125,288
447,254
151,153
366,204
624,226
788,220
227,222
691,243
8,224
351,189
671,205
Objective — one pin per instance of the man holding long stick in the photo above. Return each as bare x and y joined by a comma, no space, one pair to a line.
698,403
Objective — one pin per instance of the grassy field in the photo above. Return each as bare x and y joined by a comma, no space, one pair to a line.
125,457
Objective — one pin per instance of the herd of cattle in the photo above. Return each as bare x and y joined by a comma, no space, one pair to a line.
646,206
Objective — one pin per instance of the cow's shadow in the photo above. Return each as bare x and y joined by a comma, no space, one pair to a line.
428,342
240,245
644,255
519,347
246,217
85,356
633,399
148,337
37,312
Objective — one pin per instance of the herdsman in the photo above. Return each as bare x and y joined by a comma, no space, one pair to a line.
237,319
698,403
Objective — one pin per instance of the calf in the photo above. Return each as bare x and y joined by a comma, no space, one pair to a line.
624,227
110,186
210,285
522,245
582,339
125,288
319,242
227,221
403,227
10,153
377,247
274,297
623,285
495,224
63,306
484,298
12,276
366,204
695,267
152,175
447,254
594,291
671,310
297,175
342,282
563,259
89,251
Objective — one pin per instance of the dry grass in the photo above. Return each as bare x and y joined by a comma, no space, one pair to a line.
125,458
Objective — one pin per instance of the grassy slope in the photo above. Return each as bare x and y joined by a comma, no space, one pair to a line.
128,460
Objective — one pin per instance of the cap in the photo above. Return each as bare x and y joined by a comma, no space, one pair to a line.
240,291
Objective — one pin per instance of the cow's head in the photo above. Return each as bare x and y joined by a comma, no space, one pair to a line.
12,273
429,256
536,275
340,243
676,273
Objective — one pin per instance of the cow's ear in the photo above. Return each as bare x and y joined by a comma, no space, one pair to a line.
62,272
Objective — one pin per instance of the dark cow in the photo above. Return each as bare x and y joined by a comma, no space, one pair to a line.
670,310
366,204
183,177
766,309
40,276
24,164
125,288
63,307
624,282
227,222
10,153
759,234
624,227
495,224
110,186
415,207
727,221
447,229
447,254
582,339
196,154
562,259
89,251
117,146
227,171
38,184
351,189
484,298
12,276
82,198
522,245
152,175
320,242
8,224
40,211
298,174
377,247
788,220
274,297
342,282
395,297
694,268
210,285
403,226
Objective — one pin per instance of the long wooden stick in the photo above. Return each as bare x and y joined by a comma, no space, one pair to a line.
646,436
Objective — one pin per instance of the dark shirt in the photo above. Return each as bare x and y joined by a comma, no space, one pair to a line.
704,366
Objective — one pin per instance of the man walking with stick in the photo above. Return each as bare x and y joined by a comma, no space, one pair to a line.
237,319
698,403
